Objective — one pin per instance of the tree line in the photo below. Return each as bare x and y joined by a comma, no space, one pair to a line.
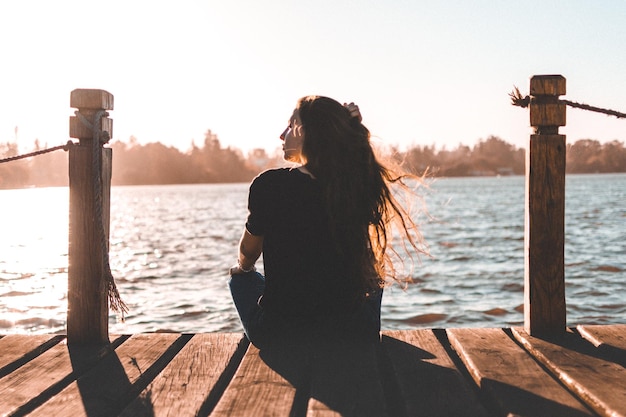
155,163
494,156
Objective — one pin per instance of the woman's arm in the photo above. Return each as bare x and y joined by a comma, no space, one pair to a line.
250,248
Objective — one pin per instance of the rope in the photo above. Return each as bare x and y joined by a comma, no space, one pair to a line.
595,109
518,100
115,301
65,147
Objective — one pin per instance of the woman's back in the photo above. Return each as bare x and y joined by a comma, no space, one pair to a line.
305,276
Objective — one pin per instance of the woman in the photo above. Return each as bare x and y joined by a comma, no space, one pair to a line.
324,230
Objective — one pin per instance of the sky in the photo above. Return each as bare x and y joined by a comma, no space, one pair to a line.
423,72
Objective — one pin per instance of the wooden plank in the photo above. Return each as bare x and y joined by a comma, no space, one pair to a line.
605,335
318,409
17,349
510,378
345,381
600,383
428,381
117,379
610,340
43,376
259,389
192,382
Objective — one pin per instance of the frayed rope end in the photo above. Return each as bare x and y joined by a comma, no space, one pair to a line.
115,301
517,99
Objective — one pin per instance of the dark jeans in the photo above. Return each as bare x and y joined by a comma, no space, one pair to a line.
261,326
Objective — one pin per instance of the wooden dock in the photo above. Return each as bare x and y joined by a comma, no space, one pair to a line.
452,372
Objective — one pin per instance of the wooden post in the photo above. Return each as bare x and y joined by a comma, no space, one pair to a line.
88,308
544,286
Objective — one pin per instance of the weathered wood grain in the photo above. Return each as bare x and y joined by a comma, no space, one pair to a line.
411,373
191,381
84,98
89,101
17,349
316,408
428,380
600,383
543,111
600,335
511,379
88,304
552,85
259,389
610,341
544,237
44,376
117,379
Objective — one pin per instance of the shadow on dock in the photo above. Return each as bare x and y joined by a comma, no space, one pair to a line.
452,372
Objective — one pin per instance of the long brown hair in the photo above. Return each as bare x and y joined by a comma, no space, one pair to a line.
360,205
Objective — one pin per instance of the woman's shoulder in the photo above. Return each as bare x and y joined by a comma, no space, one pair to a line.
268,180
275,174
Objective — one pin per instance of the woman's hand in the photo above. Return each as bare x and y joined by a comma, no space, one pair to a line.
237,270
354,111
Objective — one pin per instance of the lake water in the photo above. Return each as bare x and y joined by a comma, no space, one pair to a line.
171,247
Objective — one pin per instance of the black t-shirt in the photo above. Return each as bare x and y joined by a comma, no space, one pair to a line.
304,275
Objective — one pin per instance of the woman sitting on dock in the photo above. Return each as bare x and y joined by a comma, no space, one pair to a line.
324,228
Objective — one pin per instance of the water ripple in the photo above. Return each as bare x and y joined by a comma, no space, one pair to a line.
171,247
